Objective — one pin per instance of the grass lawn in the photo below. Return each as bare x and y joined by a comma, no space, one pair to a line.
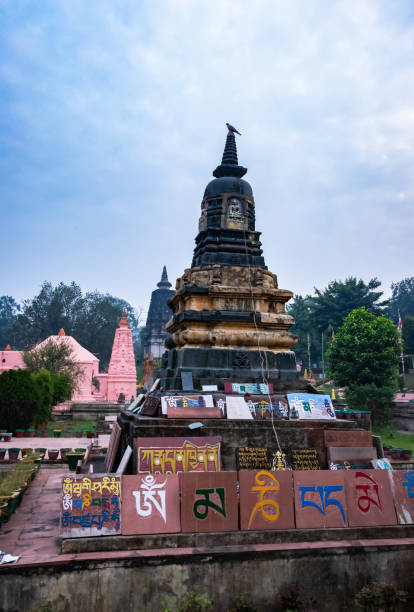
391,437
73,425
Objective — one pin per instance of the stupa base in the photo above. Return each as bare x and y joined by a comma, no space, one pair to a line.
214,366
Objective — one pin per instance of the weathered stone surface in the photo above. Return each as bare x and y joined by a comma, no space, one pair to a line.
348,438
266,500
402,487
150,504
320,499
369,498
228,300
209,502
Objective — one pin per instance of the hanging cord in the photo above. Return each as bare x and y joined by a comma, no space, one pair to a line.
262,354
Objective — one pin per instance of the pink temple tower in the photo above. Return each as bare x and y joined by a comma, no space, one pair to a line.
122,374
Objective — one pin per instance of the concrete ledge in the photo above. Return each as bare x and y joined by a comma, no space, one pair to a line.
234,538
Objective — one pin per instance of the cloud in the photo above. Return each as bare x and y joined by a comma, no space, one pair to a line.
113,118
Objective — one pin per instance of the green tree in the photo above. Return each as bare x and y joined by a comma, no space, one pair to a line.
90,318
44,383
9,309
61,387
330,306
301,310
402,299
56,358
408,335
53,308
364,358
19,399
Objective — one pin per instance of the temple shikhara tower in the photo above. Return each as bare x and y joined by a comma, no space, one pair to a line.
122,374
229,321
158,316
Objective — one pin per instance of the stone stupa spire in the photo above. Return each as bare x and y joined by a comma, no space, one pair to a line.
229,321
164,283
230,164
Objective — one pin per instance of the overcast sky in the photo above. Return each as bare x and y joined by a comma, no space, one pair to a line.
113,117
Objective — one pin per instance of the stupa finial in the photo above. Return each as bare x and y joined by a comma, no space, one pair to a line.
164,283
230,164
8,348
123,322
61,332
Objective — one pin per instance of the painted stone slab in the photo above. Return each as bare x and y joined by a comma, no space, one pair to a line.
90,506
347,438
261,408
250,458
320,499
304,459
209,502
237,408
369,498
311,406
112,447
189,407
150,504
174,455
151,406
242,388
169,402
402,487
266,500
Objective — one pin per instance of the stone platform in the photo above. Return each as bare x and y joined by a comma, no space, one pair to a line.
234,434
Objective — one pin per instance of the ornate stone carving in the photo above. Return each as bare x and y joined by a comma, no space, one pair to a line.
241,360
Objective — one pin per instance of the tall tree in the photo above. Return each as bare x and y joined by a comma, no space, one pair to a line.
90,318
55,358
364,357
9,309
402,299
331,306
53,308
301,310
408,335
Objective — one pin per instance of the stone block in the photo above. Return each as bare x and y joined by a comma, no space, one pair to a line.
369,498
402,487
319,499
150,504
266,500
90,506
360,438
209,502
174,455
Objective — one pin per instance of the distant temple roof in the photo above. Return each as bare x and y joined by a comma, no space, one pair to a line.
79,353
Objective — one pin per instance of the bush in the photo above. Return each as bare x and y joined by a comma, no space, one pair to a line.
192,601
379,596
44,385
19,399
62,388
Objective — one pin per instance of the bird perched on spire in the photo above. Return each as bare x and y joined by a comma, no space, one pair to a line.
232,129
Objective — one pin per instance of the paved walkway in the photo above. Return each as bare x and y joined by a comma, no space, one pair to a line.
32,530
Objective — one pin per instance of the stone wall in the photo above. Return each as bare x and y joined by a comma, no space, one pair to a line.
328,575
260,433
